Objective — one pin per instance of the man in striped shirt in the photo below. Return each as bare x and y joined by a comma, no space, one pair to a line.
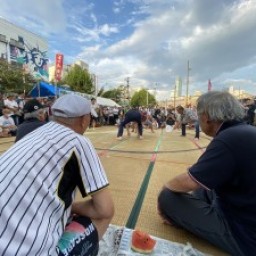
39,175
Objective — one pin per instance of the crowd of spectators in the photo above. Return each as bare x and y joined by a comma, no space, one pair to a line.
13,110
12,114
217,189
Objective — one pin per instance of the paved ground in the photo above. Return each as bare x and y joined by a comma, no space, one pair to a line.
137,170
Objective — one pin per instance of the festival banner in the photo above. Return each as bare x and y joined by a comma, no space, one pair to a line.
58,66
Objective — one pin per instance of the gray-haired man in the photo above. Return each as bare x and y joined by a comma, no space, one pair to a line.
222,205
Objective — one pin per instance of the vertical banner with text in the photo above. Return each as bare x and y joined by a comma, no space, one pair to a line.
58,66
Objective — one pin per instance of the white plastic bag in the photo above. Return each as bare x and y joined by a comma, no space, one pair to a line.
168,128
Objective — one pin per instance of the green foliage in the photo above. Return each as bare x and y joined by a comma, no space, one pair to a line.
114,94
143,98
79,80
118,94
13,79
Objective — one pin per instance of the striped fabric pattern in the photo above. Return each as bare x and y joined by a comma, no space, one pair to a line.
32,216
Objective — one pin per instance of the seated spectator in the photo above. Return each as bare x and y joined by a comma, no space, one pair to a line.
7,123
34,117
1,104
40,177
215,198
12,105
149,122
4,133
170,118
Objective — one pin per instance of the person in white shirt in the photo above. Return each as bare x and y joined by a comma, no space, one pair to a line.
6,123
94,112
40,175
12,105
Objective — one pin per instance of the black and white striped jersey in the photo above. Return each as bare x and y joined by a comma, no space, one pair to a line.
38,177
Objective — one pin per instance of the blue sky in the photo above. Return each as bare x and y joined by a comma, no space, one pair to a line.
149,41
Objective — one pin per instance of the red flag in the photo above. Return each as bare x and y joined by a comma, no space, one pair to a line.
209,85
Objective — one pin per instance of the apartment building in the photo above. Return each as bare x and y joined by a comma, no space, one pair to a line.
20,46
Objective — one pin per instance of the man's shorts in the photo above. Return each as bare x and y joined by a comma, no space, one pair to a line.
79,238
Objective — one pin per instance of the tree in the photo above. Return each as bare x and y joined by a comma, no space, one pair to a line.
79,80
114,94
118,94
143,98
13,78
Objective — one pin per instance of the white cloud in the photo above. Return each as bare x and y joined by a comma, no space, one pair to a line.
106,30
216,41
152,40
44,16
116,10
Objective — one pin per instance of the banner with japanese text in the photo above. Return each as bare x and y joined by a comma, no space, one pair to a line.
58,66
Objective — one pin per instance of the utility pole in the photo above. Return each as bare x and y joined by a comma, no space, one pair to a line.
147,98
128,88
155,90
174,96
187,88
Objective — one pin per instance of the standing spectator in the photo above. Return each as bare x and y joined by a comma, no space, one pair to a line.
121,114
111,119
187,116
39,177
105,115
216,199
20,102
157,116
94,112
115,113
34,116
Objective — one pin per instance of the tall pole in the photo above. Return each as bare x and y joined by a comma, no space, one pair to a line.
174,96
128,88
187,88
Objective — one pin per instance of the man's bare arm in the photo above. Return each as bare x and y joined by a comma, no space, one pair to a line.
182,183
100,206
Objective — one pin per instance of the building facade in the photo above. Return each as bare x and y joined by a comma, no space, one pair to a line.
67,68
24,48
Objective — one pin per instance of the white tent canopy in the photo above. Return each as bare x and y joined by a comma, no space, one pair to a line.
107,102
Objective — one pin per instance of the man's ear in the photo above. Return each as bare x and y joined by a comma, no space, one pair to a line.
207,118
85,121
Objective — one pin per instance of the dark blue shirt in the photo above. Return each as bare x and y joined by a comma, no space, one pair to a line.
28,126
228,167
